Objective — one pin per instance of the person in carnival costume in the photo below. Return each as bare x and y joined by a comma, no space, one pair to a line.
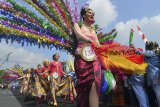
88,72
45,69
39,69
56,67
27,83
67,86
38,90
45,75
56,73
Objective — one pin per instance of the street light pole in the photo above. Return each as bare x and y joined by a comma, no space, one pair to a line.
7,56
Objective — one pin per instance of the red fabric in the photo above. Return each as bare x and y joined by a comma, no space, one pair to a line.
139,59
43,70
39,71
87,73
56,67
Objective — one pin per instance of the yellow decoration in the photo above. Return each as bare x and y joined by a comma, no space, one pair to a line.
5,30
70,64
120,62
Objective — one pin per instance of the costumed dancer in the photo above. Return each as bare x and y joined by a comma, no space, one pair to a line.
44,78
88,72
38,90
26,85
39,69
45,70
25,82
56,74
67,86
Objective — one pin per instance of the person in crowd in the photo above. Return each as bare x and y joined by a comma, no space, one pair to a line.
153,71
67,86
38,69
38,90
27,83
130,98
137,83
45,70
56,73
45,82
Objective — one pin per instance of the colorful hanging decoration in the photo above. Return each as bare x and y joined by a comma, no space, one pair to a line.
53,28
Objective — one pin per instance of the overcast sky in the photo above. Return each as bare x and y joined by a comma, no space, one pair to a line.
120,14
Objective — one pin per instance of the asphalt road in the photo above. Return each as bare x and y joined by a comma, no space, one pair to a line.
14,99
7,99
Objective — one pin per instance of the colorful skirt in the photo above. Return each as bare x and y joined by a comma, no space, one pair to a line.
66,88
38,90
87,72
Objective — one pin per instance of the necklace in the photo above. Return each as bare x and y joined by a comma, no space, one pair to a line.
88,27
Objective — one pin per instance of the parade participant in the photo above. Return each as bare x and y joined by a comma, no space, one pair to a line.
27,83
38,90
45,78
67,86
88,72
153,75
39,69
129,95
56,67
45,70
56,72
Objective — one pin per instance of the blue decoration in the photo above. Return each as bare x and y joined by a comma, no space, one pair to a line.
29,25
104,84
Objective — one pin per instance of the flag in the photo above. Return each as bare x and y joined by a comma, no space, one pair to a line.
131,36
142,34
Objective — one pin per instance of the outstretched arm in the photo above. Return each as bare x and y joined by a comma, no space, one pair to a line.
44,72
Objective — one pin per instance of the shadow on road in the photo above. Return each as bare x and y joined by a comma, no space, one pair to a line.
30,101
